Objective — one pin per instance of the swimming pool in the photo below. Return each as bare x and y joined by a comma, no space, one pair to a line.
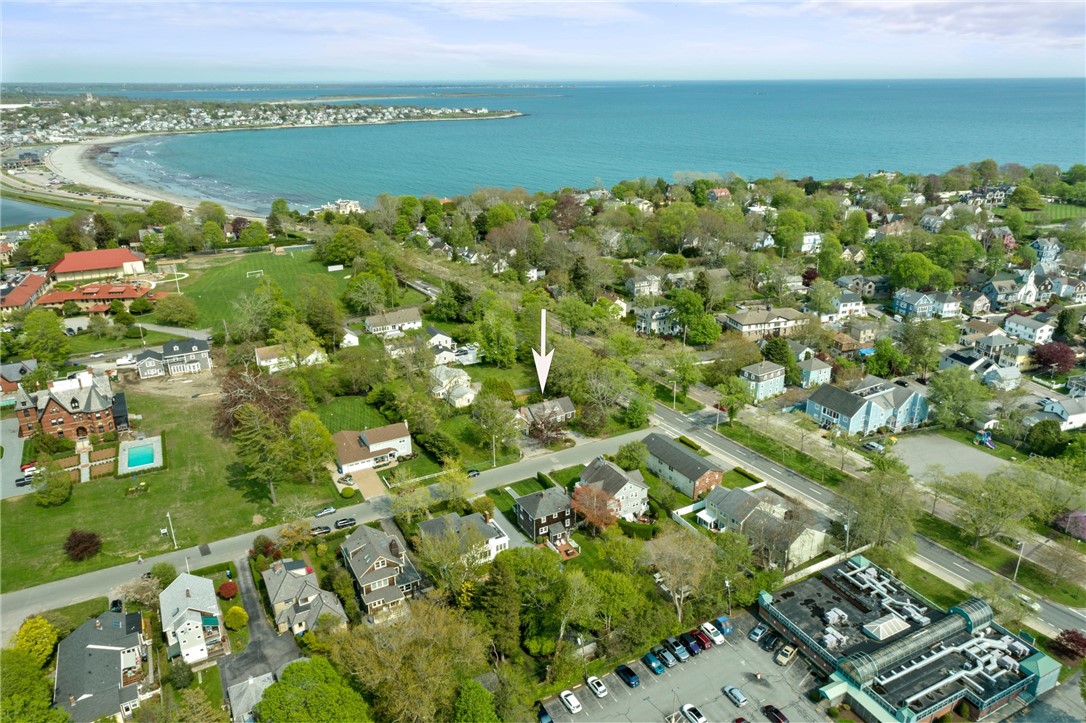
141,456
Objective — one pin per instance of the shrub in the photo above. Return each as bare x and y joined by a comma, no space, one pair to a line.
749,475
348,493
180,675
236,618
82,544
832,711
228,590
690,443
637,529
544,480
37,637
165,573
264,546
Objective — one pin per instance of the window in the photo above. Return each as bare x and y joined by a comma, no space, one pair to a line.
378,584
379,564
542,530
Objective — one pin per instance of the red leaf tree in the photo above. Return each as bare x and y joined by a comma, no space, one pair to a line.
593,505
228,590
1053,358
1072,642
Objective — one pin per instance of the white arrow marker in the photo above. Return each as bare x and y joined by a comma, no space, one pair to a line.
542,357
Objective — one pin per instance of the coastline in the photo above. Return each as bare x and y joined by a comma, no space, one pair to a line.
76,163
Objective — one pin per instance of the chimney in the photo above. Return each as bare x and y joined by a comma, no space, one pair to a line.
188,592
71,700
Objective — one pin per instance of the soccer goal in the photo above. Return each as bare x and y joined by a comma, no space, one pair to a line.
256,273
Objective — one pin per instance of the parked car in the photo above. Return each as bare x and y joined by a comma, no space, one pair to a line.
473,473
23,481
346,480
714,634
786,655
690,643
343,522
652,663
329,510
692,714
756,634
770,642
97,355
703,640
676,648
874,447
116,606
321,530
664,656
723,624
735,696
628,676
28,465
596,686
570,701
774,714
544,716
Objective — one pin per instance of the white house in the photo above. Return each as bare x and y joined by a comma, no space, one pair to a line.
490,538
452,385
1028,329
349,339
371,447
657,320
644,285
276,358
763,517
189,612
1070,413
394,322
812,243
627,492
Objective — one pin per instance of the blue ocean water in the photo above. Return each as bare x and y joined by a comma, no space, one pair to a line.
20,213
579,134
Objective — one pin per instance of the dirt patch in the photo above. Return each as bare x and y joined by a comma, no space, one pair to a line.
183,386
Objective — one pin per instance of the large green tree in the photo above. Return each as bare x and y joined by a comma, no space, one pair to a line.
311,445
955,396
262,446
474,704
27,694
311,691
177,310
38,638
43,337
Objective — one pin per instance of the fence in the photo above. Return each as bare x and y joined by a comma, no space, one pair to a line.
677,515
838,558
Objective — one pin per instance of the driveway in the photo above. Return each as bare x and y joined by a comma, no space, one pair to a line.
919,451
267,652
13,457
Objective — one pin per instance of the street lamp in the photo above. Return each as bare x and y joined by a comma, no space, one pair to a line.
847,538
172,535
728,584
1021,549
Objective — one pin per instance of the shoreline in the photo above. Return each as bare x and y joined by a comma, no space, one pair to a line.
76,163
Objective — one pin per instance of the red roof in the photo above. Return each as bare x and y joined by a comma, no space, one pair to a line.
95,292
98,260
21,294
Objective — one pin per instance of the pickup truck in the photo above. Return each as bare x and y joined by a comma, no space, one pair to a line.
126,361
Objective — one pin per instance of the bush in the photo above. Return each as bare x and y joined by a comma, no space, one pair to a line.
690,443
637,529
82,544
749,475
180,675
133,332
440,445
832,711
228,590
348,493
165,573
236,618
544,480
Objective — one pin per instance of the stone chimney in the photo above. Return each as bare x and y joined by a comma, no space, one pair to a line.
188,592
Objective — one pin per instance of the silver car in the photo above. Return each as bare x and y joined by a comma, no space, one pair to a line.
735,696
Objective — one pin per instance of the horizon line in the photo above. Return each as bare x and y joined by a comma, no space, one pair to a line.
533,82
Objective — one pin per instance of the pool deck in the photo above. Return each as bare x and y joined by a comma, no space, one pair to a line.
122,455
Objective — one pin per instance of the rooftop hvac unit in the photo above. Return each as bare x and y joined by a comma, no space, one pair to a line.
1019,649
835,616
1009,663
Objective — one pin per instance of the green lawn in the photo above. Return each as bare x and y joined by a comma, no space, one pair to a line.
412,297
685,405
567,476
590,558
1001,450
350,414
211,684
82,344
732,479
504,503
784,455
475,453
1001,560
70,617
1055,213
521,376
215,288
205,489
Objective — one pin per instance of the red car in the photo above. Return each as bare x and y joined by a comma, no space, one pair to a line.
702,638
28,465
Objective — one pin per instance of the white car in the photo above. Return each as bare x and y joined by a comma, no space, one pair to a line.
714,634
1029,602
692,714
596,686
570,701
127,360
97,355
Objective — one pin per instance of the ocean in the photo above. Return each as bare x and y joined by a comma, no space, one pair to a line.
581,135
20,213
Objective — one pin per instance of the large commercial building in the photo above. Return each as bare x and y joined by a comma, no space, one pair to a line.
895,656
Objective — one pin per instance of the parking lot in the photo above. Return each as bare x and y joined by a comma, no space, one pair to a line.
700,681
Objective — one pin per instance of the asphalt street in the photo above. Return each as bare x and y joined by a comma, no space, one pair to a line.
13,456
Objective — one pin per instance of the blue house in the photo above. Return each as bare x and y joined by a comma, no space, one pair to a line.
871,405
908,302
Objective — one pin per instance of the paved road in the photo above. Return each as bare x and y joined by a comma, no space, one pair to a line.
13,457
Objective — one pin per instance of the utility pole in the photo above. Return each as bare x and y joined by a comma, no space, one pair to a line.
172,535
1021,549
728,584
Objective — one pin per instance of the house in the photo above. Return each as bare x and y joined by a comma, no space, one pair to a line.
908,302
183,356
13,372
394,322
1001,235
489,540
811,243
718,194
546,513
1002,377
946,305
854,254
681,279
97,264
871,405
244,696
189,612
383,574
1008,288
968,358
1070,413
23,294
763,240
297,600
557,410
100,668
452,385
644,285
628,495
1015,355
96,298
70,408
765,519
1063,287
1076,386
657,320
862,330
621,308
436,338
764,380
1048,250
763,322
349,339
845,345
974,330
975,303
848,303
814,372
370,448
1028,329
680,467
276,358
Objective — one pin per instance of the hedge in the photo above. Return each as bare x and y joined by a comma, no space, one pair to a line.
749,475
544,479
637,529
690,443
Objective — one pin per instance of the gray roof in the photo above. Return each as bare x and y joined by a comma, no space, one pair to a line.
89,666
245,695
149,354
544,503
1025,321
736,503
676,456
396,317
293,582
761,368
813,364
187,592
14,371
365,546
95,397
180,347
843,402
547,408
451,521
610,477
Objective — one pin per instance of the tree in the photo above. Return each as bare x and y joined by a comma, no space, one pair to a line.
954,395
593,505
992,505
854,229
180,675
144,590
822,295
499,599
262,446
165,573
791,224
236,618
195,706
1046,438
778,351
1063,563
496,420
683,561
43,337
82,544
177,310
912,271
453,486
703,330
920,340
453,558
573,312
1072,642
888,360
1053,358
411,504
295,534
255,234
52,484
497,337
735,394
637,412
631,455
886,506
1026,198
475,704
298,341
228,590
1068,323
37,637
210,212
685,371
311,445
311,690
272,394
365,294
27,695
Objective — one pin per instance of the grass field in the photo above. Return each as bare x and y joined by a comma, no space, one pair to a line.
205,489
475,453
70,617
86,344
1055,213
521,376
350,413
1002,451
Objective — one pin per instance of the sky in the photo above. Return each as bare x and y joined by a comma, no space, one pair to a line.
230,41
